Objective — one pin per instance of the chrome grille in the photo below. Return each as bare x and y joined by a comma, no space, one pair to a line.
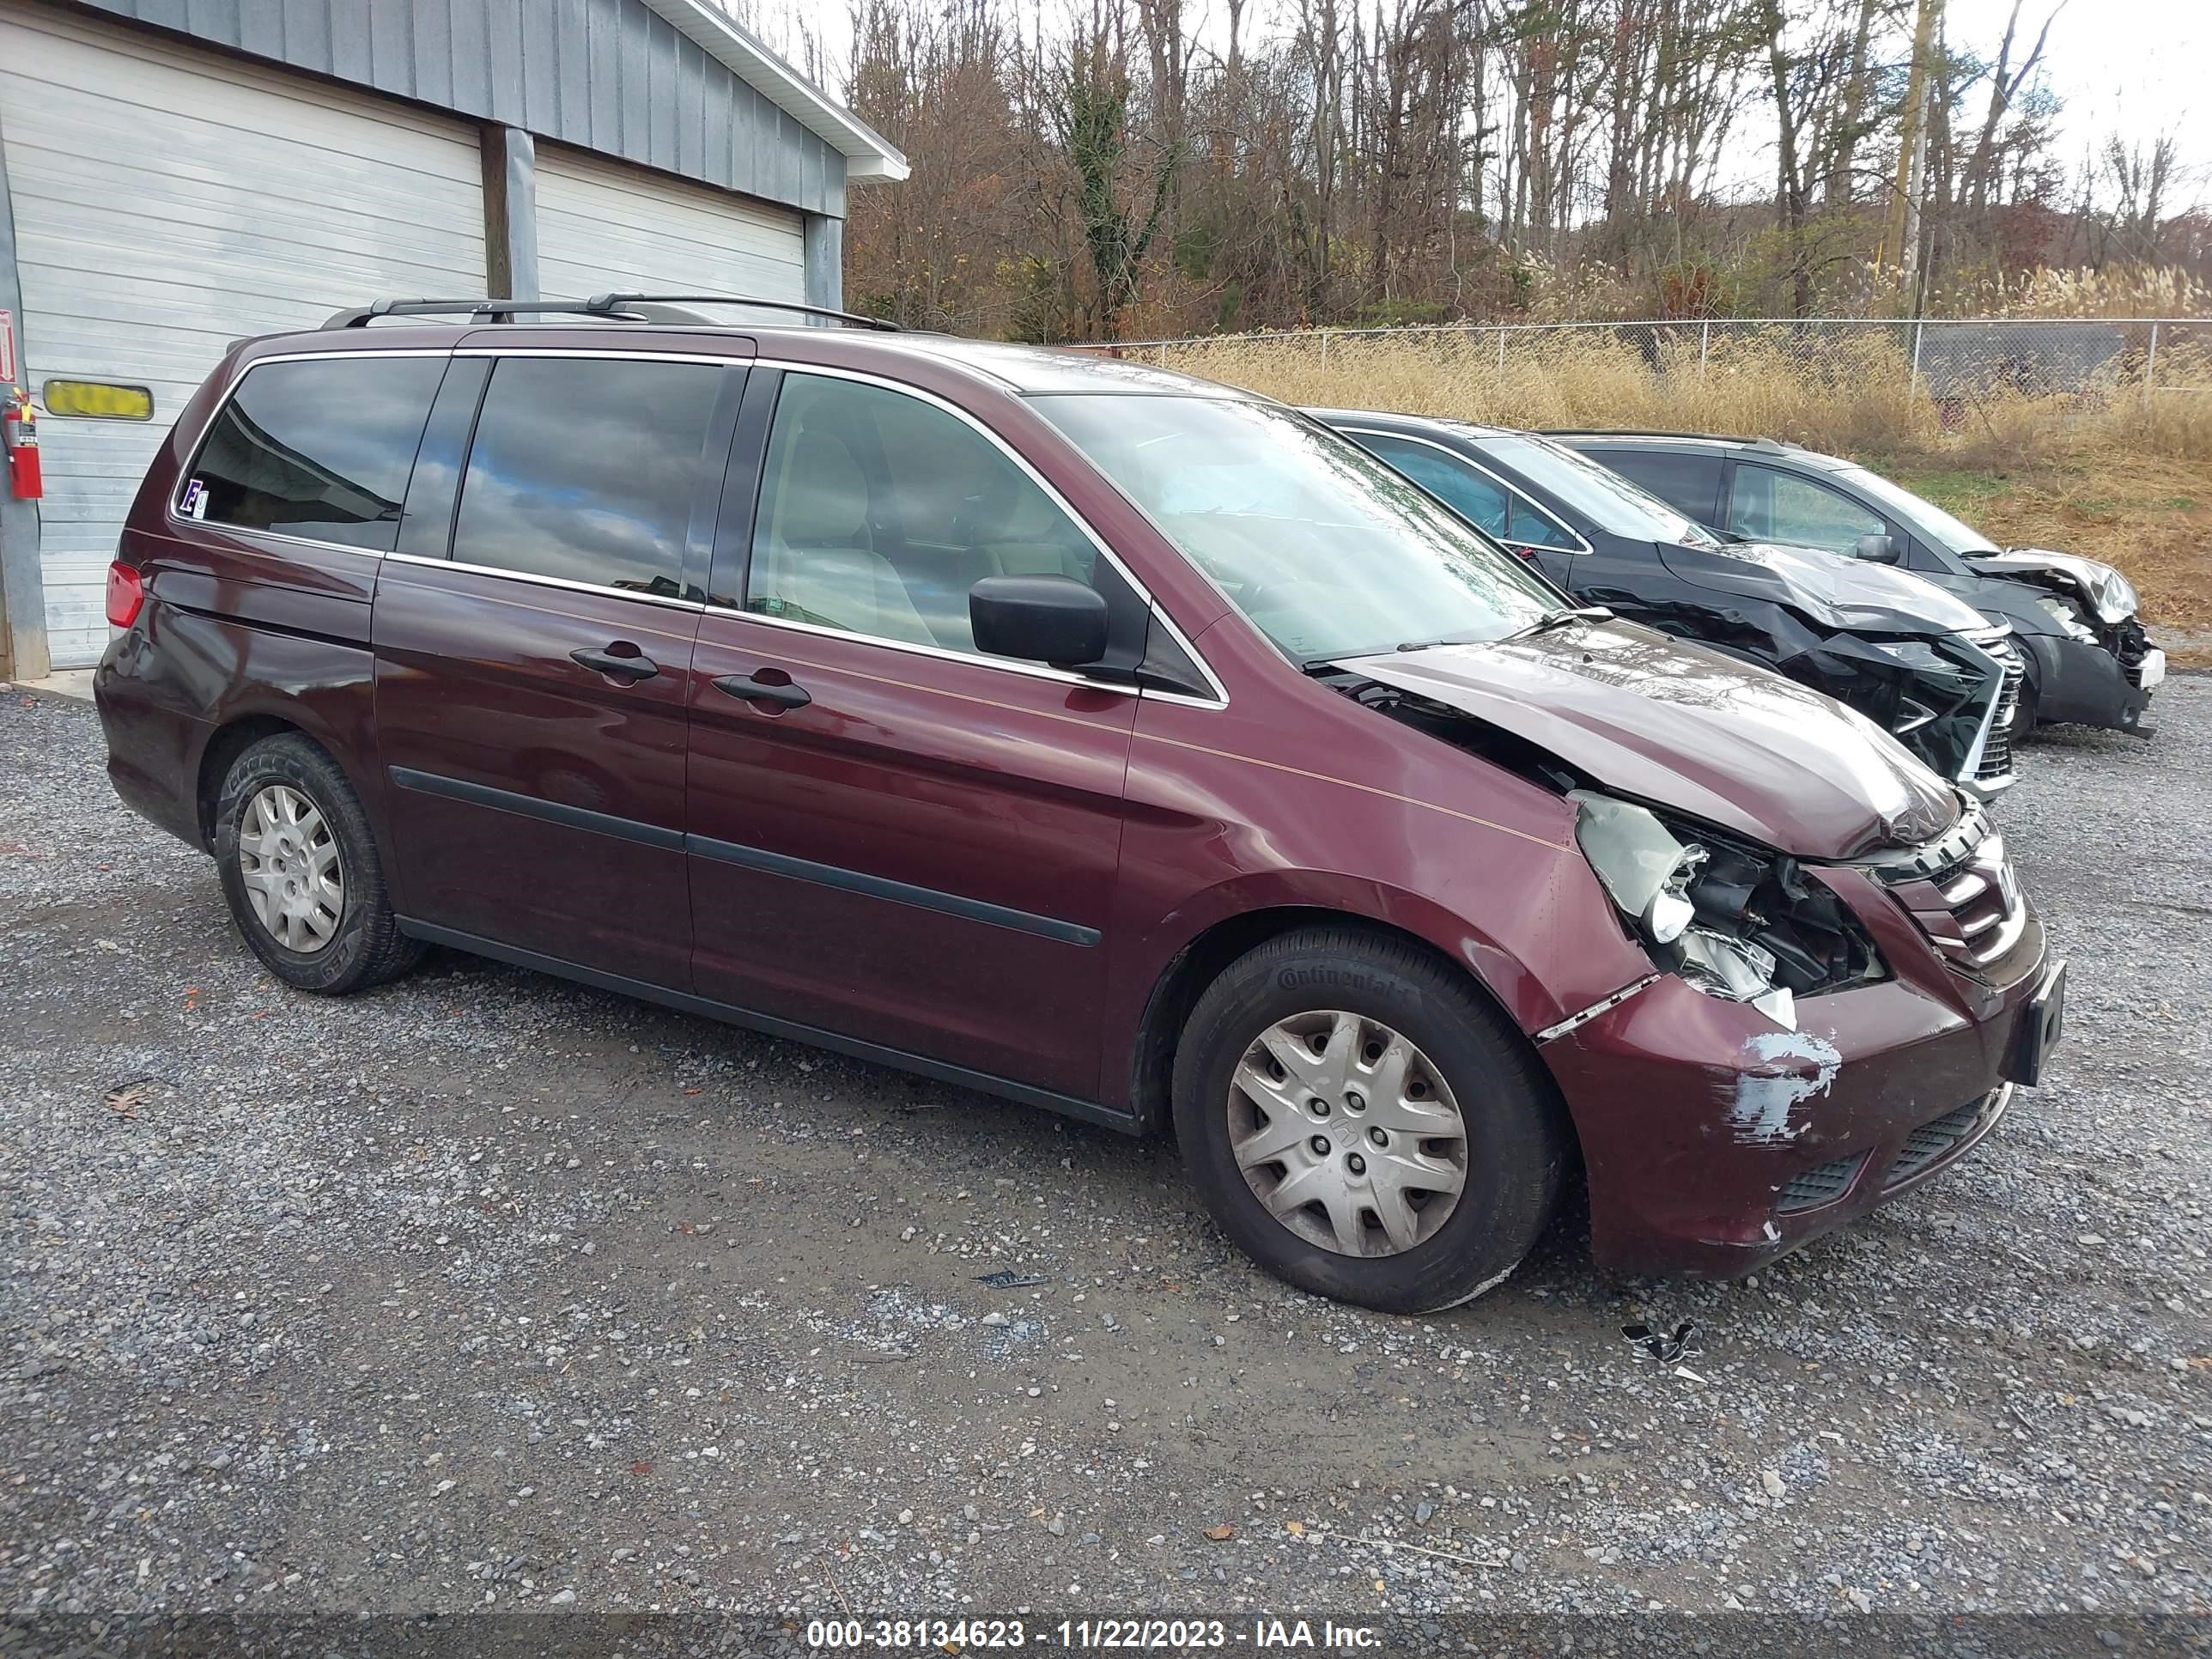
1932,1140
1814,1187
1962,893
1997,750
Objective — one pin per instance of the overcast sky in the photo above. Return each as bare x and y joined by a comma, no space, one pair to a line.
2138,67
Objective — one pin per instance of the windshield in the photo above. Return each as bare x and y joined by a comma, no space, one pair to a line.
1952,535
1616,505
1327,550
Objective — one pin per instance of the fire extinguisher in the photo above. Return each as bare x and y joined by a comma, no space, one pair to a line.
19,435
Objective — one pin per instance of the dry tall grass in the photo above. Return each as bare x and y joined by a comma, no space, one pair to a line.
2103,471
1852,395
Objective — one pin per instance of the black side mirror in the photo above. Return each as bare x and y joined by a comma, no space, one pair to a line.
1049,619
1876,549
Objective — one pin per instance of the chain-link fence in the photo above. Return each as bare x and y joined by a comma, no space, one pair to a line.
1947,361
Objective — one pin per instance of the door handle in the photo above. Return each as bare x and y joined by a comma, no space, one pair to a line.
757,689
631,668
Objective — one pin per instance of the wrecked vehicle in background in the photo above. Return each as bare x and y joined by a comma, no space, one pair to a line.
2073,619
1064,728
1919,663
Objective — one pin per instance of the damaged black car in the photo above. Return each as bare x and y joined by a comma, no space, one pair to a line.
1918,662
2086,656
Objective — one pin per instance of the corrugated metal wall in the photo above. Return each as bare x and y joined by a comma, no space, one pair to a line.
167,201
610,75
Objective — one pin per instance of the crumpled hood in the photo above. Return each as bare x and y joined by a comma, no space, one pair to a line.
1651,718
1833,591
2108,594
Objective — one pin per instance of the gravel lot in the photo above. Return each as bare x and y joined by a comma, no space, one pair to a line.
484,1291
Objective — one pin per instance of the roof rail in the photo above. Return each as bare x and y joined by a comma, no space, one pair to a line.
621,307
610,301
1641,432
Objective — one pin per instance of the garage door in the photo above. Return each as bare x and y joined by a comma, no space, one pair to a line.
603,226
169,201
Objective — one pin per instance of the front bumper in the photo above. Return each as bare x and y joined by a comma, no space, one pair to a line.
2081,682
1715,1142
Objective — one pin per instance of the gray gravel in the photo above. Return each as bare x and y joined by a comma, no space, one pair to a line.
484,1291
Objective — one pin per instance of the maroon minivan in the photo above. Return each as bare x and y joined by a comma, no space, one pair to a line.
1082,732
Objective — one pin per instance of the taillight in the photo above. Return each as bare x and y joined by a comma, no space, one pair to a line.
126,593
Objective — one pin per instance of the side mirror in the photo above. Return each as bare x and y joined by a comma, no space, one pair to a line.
1876,549
1049,619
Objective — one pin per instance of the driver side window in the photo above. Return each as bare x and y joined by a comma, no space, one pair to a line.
1470,492
1767,506
1475,498
879,511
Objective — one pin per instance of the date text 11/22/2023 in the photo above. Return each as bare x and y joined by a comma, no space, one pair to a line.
1172,1635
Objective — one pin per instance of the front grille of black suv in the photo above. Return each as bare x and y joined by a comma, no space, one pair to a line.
1996,751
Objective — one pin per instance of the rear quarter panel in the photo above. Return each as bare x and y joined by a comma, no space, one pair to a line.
237,625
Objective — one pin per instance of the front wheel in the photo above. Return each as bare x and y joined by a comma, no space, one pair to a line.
299,867
2022,724
1359,1118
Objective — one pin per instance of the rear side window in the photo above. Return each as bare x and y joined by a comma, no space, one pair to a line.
1690,483
585,468
318,448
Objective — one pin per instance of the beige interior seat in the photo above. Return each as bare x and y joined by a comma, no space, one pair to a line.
819,564
1017,532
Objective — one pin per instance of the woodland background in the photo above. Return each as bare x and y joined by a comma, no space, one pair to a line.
1104,169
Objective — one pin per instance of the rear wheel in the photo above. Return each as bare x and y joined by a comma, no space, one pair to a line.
299,868
1361,1120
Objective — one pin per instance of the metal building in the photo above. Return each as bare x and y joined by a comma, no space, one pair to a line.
177,174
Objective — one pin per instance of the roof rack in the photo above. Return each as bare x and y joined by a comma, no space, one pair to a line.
623,307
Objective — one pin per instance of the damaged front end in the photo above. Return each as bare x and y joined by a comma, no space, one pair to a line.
2094,663
1948,698
1845,983
1731,919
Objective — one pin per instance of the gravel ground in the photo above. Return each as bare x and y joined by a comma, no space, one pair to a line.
485,1291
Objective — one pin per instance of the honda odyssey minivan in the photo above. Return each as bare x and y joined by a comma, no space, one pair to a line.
1082,732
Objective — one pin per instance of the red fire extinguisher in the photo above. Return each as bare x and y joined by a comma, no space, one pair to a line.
19,435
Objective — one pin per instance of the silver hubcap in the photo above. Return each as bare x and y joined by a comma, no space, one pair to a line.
289,859
1347,1133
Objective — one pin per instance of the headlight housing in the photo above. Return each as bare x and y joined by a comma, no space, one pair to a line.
1733,920
2116,598
2069,618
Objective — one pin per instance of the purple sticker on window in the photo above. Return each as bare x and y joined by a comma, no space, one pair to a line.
190,506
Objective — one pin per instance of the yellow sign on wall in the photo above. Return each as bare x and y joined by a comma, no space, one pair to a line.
97,400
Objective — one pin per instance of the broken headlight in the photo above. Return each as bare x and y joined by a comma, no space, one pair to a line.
1734,920
2115,596
2067,619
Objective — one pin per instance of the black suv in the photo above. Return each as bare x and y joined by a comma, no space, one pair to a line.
1918,662
2072,618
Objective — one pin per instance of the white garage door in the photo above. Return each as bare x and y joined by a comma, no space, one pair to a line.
603,226
167,201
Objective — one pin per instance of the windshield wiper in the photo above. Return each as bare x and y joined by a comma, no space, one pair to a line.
1449,639
1335,659
1561,617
